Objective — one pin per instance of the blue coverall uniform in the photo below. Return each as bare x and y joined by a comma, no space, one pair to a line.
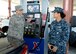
59,35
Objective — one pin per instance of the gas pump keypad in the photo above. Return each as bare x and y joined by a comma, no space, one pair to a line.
32,26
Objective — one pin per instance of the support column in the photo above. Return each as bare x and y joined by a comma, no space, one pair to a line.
24,5
9,8
44,6
68,9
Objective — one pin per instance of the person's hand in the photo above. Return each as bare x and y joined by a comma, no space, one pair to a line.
29,19
49,46
54,48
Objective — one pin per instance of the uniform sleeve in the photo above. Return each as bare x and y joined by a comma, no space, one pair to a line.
11,26
65,33
52,32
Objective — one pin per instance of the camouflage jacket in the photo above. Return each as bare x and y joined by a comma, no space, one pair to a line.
16,26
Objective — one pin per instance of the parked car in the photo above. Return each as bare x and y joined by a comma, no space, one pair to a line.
4,24
72,39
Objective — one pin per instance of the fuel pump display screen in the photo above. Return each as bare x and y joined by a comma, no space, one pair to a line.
33,8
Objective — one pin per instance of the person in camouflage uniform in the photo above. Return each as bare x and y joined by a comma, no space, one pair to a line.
59,33
16,28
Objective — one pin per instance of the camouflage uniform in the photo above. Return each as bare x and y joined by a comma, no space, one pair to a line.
59,35
16,30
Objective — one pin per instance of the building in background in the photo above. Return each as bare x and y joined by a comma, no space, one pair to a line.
4,12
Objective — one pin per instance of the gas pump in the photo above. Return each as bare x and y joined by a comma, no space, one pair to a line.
33,27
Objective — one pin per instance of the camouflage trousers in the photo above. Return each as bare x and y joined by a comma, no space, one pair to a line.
14,42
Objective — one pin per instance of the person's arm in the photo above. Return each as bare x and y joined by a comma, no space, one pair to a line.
52,32
11,26
52,46
65,33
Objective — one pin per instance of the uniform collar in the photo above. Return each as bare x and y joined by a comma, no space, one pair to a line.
19,15
59,21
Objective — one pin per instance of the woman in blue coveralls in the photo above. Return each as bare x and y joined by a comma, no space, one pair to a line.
59,33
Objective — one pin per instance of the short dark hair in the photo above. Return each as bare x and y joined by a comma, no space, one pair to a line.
62,14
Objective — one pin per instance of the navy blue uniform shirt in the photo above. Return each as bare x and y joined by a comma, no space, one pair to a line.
59,35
